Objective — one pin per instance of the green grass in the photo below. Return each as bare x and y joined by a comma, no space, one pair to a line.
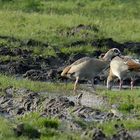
130,125
52,131
126,100
48,127
52,22
39,26
79,49
6,81
5,129
32,123
43,20
40,51
34,119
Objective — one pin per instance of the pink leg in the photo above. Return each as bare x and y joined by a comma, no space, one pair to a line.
121,83
75,84
132,84
92,82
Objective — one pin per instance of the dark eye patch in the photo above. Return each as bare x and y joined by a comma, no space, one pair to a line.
116,51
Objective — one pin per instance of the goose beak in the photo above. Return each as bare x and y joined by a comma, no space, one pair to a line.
119,54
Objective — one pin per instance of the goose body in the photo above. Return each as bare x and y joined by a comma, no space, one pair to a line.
85,69
88,68
123,67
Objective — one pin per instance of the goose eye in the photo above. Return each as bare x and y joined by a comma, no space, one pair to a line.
116,51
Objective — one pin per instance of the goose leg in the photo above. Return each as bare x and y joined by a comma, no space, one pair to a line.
110,79
75,84
109,82
92,82
132,84
121,83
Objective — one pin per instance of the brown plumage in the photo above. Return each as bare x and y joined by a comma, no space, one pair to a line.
88,68
133,66
66,70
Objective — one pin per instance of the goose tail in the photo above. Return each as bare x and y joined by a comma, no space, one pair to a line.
65,71
133,66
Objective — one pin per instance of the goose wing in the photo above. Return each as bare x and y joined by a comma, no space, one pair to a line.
132,65
79,61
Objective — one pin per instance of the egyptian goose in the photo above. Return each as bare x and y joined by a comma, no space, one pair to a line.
123,67
88,68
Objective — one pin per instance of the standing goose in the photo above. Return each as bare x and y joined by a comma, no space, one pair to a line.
88,68
123,67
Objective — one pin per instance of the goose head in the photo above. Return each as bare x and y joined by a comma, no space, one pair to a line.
111,54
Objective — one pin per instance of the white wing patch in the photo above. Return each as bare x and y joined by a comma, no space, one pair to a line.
126,62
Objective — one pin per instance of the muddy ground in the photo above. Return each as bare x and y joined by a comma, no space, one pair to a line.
87,105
